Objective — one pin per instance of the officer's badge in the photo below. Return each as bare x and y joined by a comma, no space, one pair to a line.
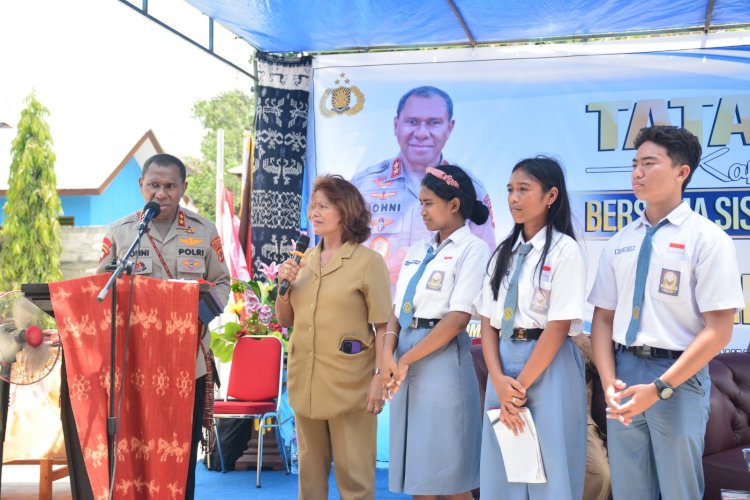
191,264
106,248
191,241
338,100
669,282
216,245
436,281
384,195
507,313
382,183
381,223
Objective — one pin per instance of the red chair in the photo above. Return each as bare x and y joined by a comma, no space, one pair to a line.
254,390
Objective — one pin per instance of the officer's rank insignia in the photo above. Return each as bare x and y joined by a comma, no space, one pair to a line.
384,195
190,241
381,223
338,100
382,183
396,168
181,218
507,313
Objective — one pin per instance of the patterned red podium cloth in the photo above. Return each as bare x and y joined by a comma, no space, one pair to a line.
153,443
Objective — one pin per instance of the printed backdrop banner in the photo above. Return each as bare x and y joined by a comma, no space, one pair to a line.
279,154
153,443
582,104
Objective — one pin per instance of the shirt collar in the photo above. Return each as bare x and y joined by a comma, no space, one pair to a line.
457,237
537,240
677,216
398,167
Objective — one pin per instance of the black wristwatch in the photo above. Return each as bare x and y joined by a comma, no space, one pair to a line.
663,390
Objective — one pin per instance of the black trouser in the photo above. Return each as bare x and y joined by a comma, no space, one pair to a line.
80,486
200,392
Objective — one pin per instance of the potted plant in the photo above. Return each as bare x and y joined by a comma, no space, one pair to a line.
254,312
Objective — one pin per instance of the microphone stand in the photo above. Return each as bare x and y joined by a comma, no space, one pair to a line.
117,270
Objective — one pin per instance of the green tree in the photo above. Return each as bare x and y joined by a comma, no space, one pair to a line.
31,232
202,186
234,112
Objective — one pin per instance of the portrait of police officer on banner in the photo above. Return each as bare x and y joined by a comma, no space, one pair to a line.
422,126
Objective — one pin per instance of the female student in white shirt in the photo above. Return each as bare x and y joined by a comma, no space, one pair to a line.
533,365
435,410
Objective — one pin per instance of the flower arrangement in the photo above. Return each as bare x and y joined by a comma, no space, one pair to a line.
253,308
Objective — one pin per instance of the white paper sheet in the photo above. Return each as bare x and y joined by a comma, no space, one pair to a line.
521,454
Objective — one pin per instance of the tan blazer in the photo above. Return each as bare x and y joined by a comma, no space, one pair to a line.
339,302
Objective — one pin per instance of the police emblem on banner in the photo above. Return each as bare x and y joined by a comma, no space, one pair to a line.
338,100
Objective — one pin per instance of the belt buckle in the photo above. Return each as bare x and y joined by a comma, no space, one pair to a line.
644,351
413,324
521,334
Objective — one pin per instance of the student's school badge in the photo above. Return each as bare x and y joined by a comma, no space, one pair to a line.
669,282
436,280
338,100
540,301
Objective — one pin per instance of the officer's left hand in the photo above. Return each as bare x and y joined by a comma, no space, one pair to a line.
642,397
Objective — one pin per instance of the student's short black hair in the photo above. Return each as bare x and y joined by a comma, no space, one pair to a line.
682,146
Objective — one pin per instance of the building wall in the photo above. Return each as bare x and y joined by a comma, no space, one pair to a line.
121,198
81,249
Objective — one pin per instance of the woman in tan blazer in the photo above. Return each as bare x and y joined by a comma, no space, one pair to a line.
339,303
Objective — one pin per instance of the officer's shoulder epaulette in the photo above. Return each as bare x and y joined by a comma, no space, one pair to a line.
128,219
198,218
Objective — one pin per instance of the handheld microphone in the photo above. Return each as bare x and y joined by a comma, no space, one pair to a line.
150,211
302,242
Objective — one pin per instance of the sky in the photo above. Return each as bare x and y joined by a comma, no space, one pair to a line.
107,75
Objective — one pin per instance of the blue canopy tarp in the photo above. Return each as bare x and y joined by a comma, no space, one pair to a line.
331,25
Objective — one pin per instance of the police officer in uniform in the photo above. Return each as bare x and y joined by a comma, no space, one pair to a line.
423,124
179,245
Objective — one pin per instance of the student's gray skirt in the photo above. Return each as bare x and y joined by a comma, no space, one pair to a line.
435,421
557,401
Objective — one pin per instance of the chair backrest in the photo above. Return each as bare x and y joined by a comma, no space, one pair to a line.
729,422
257,365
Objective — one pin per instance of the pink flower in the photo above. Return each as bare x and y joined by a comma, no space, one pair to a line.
252,302
265,314
271,270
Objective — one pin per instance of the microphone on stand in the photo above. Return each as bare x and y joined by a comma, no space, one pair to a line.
150,211
302,242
